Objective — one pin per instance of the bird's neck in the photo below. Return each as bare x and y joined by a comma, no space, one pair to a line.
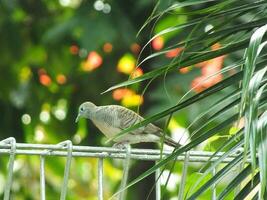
92,113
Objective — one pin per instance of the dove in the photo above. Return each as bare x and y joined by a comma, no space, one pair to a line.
112,119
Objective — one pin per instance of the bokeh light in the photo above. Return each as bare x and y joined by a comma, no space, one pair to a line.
60,113
39,134
61,79
208,27
137,72
98,5
44,116
26,119
132,100
127,97
18,164
94,60
83,53
25,74
174,52
74,49
60,110
178,133
185,70
197,85
107,48
107,8
126,64
118,94
157,43
70,3
210,72
45,79
172,178
77,139
201,64
135,48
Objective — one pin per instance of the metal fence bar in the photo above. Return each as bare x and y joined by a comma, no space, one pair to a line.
68,145
100,179
66,149
93,149
126,168
145,155
158,185
12,142
42,177
184,173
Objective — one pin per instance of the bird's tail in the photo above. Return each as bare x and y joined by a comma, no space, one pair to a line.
170,142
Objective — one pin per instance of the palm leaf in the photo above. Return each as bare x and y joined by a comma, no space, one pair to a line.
243,33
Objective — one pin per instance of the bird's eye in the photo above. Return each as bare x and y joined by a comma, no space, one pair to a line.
81,109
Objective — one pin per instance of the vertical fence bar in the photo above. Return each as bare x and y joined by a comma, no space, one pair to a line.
42,177
184,174
12,142
214,185
158,188
100,179
123,192
64,188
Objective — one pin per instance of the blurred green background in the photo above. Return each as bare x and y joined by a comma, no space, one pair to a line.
54,55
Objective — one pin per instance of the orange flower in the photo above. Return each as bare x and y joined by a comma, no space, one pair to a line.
157,43
216,46
118,94
209,69
212,80
201,64
173,52
136,73
184,70
197,84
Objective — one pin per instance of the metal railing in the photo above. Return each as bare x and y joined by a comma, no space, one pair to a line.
68,150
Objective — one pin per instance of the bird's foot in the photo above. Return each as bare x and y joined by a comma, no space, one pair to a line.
121,145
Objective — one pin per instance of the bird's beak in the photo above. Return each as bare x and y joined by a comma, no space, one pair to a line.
77,118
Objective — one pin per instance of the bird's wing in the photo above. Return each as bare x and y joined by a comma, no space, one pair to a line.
152,129
105,114
127,118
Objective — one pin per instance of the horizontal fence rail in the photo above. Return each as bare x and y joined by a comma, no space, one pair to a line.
66,149
108,152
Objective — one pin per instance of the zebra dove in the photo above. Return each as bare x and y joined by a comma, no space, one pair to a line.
112,119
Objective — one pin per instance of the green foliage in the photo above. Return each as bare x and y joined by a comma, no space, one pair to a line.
236,37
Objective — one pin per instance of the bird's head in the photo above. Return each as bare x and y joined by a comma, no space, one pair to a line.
85,110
